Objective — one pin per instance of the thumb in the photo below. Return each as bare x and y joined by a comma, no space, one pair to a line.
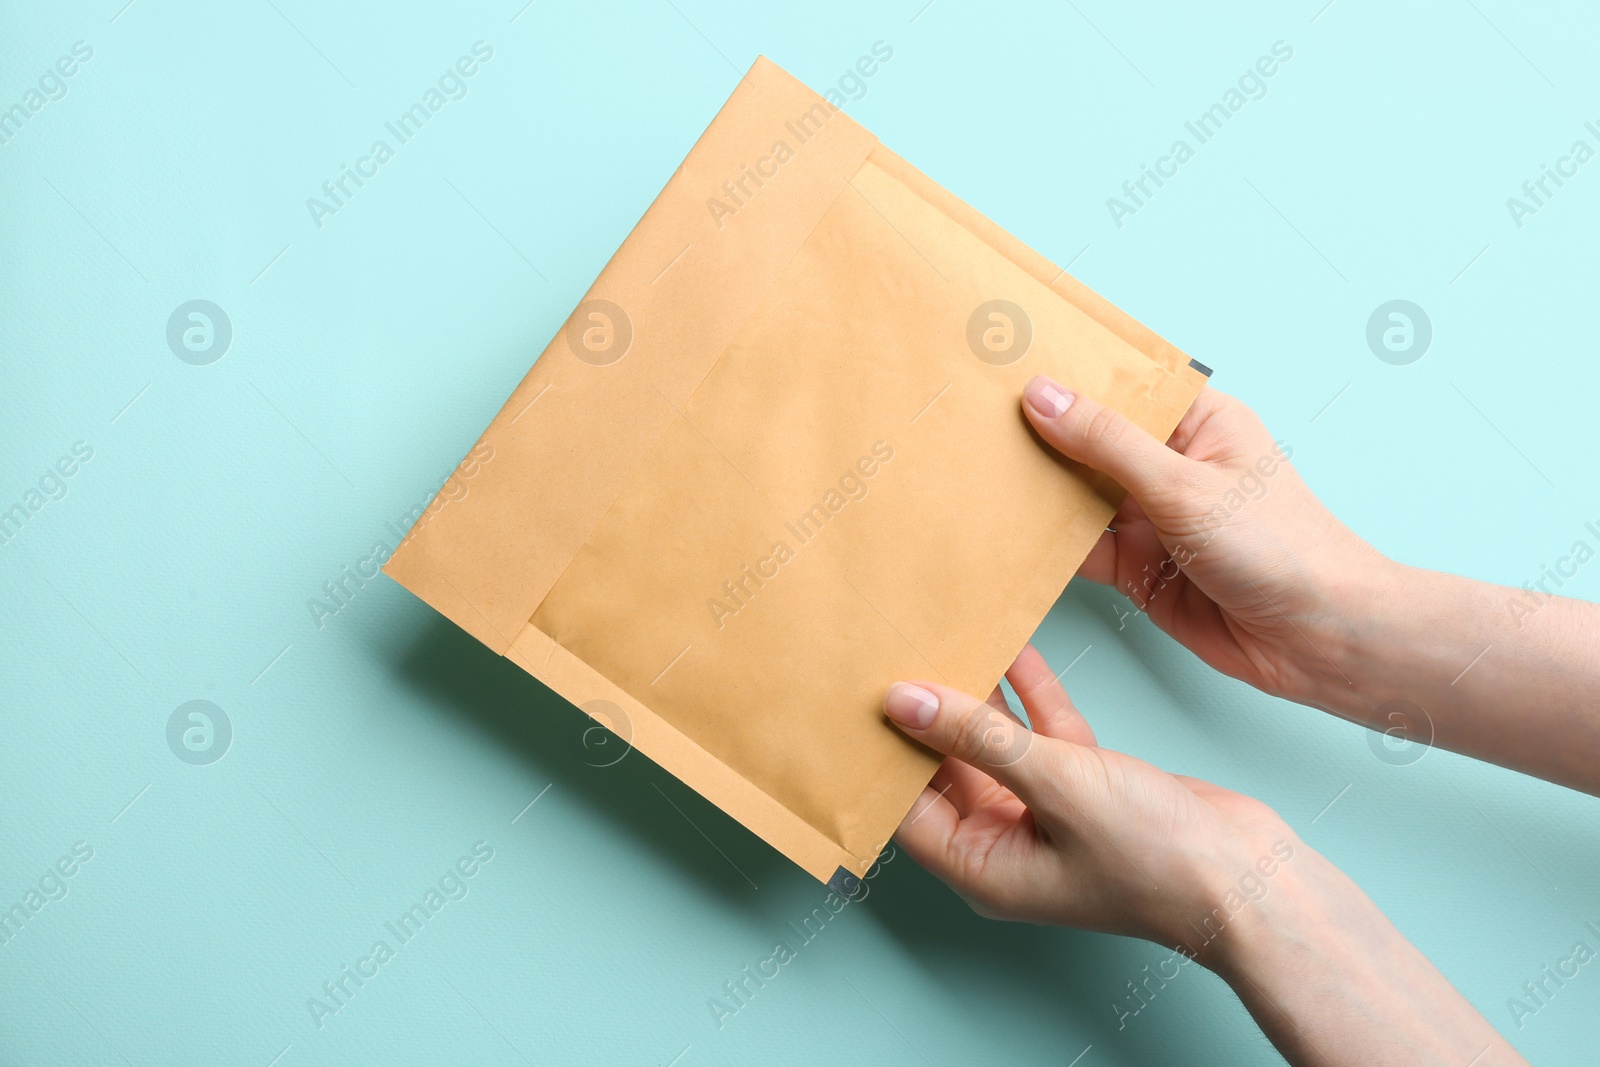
974,732
1081,429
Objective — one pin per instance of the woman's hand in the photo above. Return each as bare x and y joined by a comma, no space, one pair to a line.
1219,541
1224,547
1047,827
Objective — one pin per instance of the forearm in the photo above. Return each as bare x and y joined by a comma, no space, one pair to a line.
1498,673
1330,981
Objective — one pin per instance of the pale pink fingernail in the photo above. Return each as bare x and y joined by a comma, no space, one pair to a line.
911,705
1047,397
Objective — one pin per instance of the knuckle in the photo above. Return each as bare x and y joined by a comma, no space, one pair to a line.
1105,427
1257,813
967,735
1229,404
1245,420
1241,412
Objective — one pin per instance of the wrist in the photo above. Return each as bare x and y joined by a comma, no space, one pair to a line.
1329,978
1230,897
1292,916
1386,630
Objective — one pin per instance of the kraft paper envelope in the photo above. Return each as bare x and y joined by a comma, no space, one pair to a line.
775,461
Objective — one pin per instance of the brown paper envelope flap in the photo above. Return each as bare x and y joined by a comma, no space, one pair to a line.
638,727
1092,303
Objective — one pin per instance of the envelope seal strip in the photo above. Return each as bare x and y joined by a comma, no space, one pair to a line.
844,883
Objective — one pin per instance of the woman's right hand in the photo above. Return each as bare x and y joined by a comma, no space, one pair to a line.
1220,542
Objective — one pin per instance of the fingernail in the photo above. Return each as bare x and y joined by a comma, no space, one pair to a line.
1047,397
911,705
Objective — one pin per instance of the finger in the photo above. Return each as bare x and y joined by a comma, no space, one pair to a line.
997,700
1205,406
1045,699
1100,565
1141,563
1131,513
951,722
932,820
965,786
928,829
978,858
1081,429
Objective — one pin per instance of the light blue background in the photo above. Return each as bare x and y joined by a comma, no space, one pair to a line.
369,754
